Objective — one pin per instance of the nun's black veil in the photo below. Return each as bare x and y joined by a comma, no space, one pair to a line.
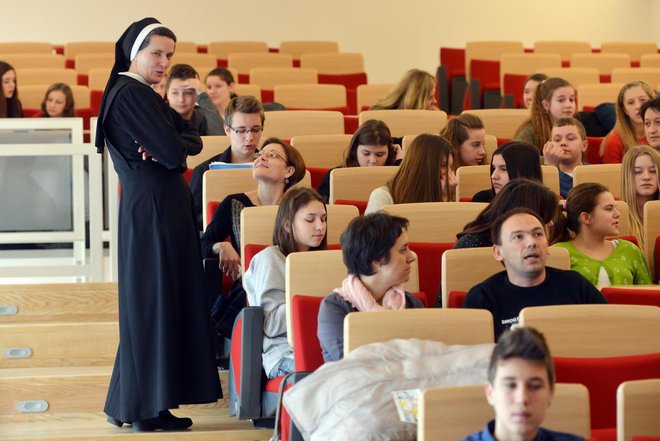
122,63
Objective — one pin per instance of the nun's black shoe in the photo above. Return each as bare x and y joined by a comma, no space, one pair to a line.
115,422
164,421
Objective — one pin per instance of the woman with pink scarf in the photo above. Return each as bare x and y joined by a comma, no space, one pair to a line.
376,253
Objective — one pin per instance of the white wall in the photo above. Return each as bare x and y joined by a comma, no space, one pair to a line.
393,35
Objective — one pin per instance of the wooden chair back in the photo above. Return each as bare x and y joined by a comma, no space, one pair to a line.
606,174
32,96
324,151
455,412
26,47
502,123
98,78
596,330
243,62
311,96
450,326
74,48
637,405
292,123
463,268
186,47
526,64
34,61
603,62
211,146
564,48
489,50
247,89
222,49
298,48
408,122
333,63
201,62
44,77
357,183
269,77
591,95
634,49
87,62
650,60
370,94
650,75
577,76
425,218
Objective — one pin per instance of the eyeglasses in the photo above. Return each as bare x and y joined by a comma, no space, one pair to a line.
244,130
272,154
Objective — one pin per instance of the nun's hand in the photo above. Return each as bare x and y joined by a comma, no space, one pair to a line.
145,154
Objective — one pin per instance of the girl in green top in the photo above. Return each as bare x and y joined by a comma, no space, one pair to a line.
592,217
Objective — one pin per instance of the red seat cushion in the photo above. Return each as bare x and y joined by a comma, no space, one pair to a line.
602,376
187,174
456,299
351,124
593,150
514,85
274,384
631,296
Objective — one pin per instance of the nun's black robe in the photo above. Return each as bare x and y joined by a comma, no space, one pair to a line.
166,355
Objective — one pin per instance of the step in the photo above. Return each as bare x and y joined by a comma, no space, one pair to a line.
58,344
67,390
208,425
58,302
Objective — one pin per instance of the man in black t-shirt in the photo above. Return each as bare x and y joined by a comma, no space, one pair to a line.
521,245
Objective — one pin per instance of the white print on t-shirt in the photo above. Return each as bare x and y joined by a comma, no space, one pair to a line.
511,323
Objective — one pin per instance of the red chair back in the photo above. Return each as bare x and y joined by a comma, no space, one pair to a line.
361,205
317,174
211,206
307,349
514,84
602,376
250,251
429,259
593,150
631,296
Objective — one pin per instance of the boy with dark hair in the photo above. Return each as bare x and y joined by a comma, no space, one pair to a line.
181,95
520,387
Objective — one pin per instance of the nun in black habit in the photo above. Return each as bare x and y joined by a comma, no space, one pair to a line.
166,354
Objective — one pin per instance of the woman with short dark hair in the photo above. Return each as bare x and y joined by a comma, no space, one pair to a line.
376,253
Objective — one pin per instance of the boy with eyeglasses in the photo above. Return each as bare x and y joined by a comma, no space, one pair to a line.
244,121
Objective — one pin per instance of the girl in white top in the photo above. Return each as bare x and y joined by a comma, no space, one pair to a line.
300,225
425,175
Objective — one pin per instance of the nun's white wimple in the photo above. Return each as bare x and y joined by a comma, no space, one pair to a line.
141,36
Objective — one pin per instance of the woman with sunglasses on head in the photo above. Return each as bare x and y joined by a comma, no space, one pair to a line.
277,167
